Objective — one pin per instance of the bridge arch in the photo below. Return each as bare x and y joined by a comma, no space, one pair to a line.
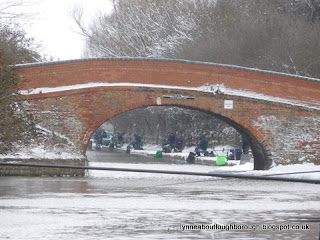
262,160
211,104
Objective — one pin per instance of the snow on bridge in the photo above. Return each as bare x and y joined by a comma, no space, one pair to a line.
278,113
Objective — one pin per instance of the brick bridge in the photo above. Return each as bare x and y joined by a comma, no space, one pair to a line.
279,114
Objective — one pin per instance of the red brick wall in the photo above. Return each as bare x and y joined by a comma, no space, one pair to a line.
170,73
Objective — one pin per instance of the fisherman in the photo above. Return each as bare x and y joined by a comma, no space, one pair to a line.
120,139
96,136
104,134
168,145
137,143
202,146
98,139
171,139
113,142
178,144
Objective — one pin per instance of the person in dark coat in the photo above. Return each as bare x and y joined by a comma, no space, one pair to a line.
202,146
137,143
169,144
203,143
171,139
178,144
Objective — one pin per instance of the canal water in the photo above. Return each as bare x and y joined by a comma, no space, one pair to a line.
119,205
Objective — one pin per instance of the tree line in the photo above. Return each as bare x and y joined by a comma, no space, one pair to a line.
186,124
277,35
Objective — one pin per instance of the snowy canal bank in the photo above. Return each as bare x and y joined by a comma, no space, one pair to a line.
295,171
120,205
150,150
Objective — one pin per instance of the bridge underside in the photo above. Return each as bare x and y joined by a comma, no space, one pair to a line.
276,132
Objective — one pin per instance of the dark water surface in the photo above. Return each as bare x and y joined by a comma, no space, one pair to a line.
118,205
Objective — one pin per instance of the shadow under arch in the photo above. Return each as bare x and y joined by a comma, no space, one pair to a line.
259,151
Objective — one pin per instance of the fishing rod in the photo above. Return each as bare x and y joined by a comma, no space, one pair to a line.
222,175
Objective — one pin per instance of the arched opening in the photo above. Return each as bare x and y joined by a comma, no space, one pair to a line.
150,118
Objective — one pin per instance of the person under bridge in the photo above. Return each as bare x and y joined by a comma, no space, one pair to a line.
169,145
202,146
137,144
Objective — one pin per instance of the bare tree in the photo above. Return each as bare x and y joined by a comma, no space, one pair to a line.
258,34
274,35
140,28
14,10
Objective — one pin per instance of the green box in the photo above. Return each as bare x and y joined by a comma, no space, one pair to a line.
158,154
221,160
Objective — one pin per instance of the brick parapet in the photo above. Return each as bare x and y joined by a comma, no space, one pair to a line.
171,73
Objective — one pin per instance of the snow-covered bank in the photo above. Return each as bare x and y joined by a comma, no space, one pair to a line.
151,150
298,171
60,147
39,152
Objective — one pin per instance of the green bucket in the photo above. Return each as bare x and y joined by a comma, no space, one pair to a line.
221,160
158,154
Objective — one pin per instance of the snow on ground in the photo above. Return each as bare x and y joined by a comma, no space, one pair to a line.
64,149
301,171
152,149
304,170
39,152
